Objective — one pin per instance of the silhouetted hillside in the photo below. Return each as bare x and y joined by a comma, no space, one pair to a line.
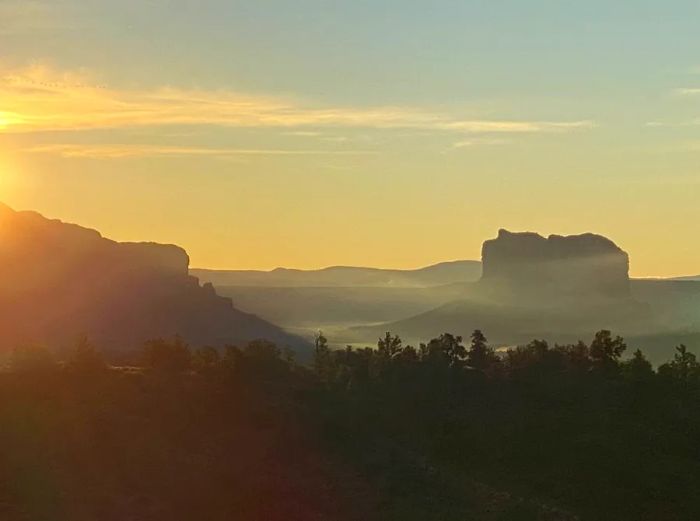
443,273
59,281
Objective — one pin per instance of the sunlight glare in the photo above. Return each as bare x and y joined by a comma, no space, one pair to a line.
8,119
6,175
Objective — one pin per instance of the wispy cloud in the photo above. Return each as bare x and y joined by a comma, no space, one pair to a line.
476,142
40,99
687,91
304,133
515,127
676,124
125,151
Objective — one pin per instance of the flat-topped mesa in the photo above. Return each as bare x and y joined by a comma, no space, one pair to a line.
59,281
166,258
529,265
36,251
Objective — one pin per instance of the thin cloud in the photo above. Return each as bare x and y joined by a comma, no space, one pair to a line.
687,91
678,124
469,143
126,151
516,127
40,99
304,133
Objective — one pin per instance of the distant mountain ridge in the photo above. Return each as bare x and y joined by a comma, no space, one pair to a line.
59,281
342,276
688,277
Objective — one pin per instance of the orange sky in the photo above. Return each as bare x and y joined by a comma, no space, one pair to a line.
259,137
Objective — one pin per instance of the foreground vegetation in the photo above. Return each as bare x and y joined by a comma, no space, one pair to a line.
447,430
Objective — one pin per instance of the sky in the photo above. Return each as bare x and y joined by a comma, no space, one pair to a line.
388,133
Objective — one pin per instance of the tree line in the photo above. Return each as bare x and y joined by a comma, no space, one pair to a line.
450,429
354,366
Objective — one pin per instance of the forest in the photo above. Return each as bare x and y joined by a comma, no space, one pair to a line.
450,429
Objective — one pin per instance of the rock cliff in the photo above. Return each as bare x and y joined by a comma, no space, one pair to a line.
59,281
529,265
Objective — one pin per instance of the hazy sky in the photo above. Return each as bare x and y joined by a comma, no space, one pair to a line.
388,133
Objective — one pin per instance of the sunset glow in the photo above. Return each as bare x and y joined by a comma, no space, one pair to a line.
413,145
8,120
349,260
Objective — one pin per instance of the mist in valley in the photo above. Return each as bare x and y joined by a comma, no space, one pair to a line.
562,289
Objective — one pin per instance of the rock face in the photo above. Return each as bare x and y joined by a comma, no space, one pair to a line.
59,281
579,266
558,288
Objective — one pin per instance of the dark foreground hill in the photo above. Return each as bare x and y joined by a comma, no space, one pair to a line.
344,276
59,281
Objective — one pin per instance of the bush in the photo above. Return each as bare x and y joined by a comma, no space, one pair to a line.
167,357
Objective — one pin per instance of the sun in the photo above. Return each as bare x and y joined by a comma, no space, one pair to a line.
7,119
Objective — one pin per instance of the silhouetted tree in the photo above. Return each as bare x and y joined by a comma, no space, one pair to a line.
84,358
684,367
446,350
621,447
638,368
263,359
480,355
167,357
322,358
231,360
389,347
205,359
536,362
606,350
408,355
524,357
576,356
262,350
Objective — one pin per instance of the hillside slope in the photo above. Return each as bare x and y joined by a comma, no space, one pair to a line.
319,307
344,276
